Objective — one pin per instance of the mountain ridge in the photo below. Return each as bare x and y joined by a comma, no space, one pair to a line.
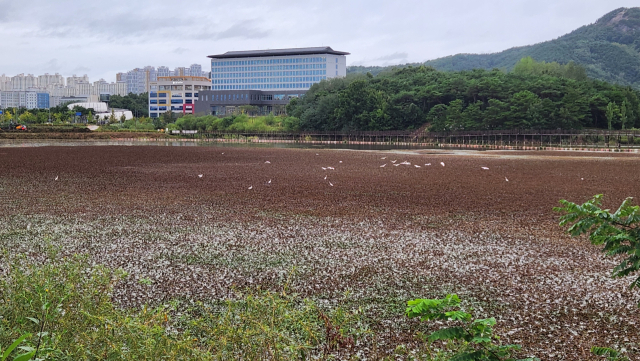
609,49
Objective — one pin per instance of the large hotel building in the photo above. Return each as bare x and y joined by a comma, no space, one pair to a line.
266,79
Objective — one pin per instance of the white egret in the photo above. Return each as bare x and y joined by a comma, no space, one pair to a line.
393,161
331,184
199,175
267,162
417,166
485,168
383,158
507,179
384,165
442,163
250,187
56,178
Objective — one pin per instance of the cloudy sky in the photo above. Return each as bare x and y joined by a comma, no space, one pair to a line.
101,38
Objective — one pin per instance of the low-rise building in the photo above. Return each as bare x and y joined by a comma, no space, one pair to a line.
176,94
31,99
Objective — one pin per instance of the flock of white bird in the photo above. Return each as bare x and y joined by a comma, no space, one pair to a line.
393,162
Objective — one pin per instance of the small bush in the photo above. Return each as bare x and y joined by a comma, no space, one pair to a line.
467,339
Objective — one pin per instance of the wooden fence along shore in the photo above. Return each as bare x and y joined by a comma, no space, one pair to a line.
602,140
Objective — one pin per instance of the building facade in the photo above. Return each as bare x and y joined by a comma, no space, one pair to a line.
30,99
56,87
42,101
267,79
139,79
176,94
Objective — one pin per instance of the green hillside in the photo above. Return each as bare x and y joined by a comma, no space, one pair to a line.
609,50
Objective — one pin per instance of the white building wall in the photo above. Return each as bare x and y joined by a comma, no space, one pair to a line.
195,70
74,80
23,82
48,79
19,99
31,100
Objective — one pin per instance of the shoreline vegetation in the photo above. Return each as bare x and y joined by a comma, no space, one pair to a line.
535,95
552,140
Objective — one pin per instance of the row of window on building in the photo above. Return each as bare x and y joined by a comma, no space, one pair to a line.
164,95
267,68
270,80
242,97
269,73
268,61
263,86
184,108
173,101
182,87
173,107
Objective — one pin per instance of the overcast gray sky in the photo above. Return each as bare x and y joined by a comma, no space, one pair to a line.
101,38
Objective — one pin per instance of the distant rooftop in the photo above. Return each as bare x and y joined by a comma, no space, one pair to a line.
277,52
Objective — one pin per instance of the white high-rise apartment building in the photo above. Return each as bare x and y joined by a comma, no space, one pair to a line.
74,80
139,79
48,79
47,90
195,70
5,82
23,82
103,87
164,71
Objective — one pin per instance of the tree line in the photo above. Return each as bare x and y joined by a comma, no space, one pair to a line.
536,95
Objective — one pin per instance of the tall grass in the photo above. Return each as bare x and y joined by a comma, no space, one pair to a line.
66,306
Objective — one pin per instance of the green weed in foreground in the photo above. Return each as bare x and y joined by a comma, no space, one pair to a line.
619,235
467,340
66,308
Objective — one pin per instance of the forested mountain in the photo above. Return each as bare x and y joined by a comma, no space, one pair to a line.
609,50
536,95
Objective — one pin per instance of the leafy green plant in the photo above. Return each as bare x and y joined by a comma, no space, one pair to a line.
4,355
617,232
610,353
469,339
